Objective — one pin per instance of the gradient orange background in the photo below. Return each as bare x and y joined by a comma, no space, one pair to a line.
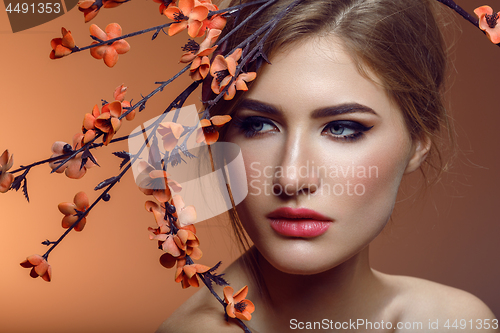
107,278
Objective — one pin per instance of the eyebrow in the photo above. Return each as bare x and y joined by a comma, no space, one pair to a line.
328,111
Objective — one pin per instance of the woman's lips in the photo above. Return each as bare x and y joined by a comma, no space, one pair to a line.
298,222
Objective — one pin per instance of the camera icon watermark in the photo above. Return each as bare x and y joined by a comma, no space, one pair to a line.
170,156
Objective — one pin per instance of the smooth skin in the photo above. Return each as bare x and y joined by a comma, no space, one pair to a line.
291,119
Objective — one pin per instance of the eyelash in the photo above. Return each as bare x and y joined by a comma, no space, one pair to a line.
245,126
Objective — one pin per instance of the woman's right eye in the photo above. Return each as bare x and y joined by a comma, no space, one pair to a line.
253,126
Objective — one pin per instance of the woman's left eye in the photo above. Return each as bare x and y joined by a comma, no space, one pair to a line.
346,130
254,126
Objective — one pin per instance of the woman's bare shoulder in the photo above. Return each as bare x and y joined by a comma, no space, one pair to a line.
424,300
200,313
203,313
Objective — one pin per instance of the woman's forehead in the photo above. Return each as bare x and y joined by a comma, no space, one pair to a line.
315,73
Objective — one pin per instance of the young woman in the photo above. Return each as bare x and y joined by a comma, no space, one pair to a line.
350,104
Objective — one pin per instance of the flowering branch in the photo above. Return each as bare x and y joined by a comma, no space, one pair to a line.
179,101
91,144
221,301
470,18
108,42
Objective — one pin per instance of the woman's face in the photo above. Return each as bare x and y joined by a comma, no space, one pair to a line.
315,134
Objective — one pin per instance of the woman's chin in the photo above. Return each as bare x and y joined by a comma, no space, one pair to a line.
303,263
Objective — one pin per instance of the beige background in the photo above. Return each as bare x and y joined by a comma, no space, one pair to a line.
107,278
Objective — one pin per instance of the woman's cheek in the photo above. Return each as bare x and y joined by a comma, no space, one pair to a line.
364,186
377,203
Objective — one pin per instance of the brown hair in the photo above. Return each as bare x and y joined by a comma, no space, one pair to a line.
398,40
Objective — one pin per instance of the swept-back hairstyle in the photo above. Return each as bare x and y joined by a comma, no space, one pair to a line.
400,41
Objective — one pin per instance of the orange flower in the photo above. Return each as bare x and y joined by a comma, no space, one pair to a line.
223,68
184,241
108,52
186,215
108,121
152,181
223,71
119,95
88,127
170,132
208,3
107,118
81,203
215,22
200,68
90,8
489,22
164,4
159,214
6,178
105,121
237,306
199,50
238,84
187,274
190,14
208,131
73,167
61,47
198,54
163,233
39,267
167,260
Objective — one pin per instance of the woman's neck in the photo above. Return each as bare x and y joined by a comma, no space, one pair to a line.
349,289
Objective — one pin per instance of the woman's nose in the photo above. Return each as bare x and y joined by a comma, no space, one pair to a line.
296,172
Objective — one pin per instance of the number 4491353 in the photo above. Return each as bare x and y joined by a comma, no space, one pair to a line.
470,324
38,8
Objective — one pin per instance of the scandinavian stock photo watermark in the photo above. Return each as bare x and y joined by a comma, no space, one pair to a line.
310,178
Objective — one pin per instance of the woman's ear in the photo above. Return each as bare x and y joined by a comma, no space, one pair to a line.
420,150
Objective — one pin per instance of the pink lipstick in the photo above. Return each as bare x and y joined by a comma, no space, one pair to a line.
298,222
